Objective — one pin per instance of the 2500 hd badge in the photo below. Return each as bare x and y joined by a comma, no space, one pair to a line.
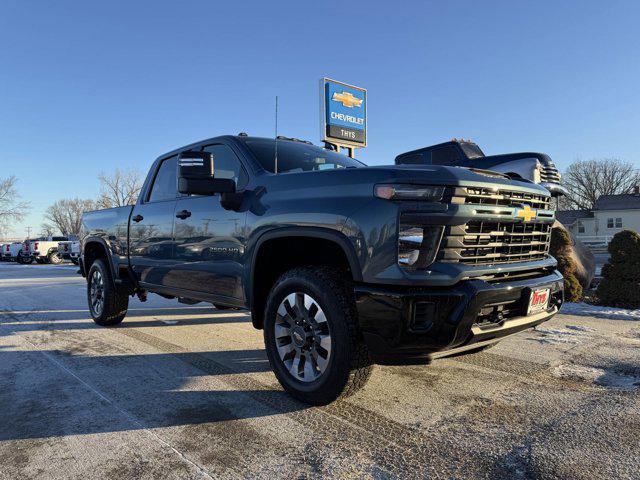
342,265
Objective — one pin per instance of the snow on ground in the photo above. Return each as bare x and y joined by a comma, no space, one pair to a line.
557,335
598,376
585,310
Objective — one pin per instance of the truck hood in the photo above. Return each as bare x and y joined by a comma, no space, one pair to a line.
415,174
462,176
492,160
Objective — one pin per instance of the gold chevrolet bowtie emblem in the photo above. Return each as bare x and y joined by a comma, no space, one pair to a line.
347,99
526,213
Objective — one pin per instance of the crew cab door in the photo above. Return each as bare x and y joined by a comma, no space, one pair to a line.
151,227
209,239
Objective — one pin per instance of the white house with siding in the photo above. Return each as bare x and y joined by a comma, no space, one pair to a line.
612,214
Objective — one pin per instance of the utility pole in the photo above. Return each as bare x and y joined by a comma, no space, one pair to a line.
28,232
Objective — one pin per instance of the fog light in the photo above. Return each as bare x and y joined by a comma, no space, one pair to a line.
418,245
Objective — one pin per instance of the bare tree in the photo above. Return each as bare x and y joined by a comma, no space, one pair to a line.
11,208
587,180
47,230
66,215
119,188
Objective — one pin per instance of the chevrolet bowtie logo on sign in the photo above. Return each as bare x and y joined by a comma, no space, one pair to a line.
526,213
347,99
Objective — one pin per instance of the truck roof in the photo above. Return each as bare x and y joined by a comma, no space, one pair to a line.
241,137
466,146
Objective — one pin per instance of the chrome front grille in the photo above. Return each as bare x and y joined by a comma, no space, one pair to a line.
494,197
485,243
507,237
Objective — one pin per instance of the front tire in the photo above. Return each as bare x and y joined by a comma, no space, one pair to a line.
108,307
312,336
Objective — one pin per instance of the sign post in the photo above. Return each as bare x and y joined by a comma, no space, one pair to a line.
343,115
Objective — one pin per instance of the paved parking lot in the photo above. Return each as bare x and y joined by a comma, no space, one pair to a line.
186,392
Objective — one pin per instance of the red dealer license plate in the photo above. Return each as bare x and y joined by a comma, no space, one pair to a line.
538,301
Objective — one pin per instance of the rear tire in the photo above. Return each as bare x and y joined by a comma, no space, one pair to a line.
53,258
108,307
25,261
312,336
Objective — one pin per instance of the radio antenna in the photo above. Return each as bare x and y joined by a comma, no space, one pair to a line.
276,152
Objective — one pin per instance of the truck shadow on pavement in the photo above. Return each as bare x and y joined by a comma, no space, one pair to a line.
51,393
12,322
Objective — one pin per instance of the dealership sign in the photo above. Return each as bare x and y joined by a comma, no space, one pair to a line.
343,111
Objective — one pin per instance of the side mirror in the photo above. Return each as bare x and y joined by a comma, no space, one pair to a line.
196,175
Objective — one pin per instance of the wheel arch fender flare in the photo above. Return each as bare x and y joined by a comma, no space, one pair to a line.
335,236
102,245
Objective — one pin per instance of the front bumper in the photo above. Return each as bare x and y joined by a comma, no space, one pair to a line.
401,323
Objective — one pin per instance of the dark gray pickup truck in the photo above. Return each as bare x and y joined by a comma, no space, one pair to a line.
341,264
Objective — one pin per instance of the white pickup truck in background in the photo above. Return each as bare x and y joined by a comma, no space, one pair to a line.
69,250
11,251
43,249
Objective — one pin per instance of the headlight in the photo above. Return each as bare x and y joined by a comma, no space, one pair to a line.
418,245
408,192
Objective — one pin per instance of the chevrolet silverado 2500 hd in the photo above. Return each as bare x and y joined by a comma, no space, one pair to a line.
341,264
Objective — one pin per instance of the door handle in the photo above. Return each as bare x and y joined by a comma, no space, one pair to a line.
137,218
183,214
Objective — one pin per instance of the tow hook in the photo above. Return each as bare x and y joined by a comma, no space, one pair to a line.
496,317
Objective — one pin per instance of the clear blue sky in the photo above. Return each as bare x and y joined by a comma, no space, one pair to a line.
92,86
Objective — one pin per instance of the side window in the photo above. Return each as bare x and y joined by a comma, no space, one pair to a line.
580,227
618,222
165,185
609,222
444,156
227,165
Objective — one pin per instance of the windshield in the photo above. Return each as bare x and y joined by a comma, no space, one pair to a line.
471,150
297,157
